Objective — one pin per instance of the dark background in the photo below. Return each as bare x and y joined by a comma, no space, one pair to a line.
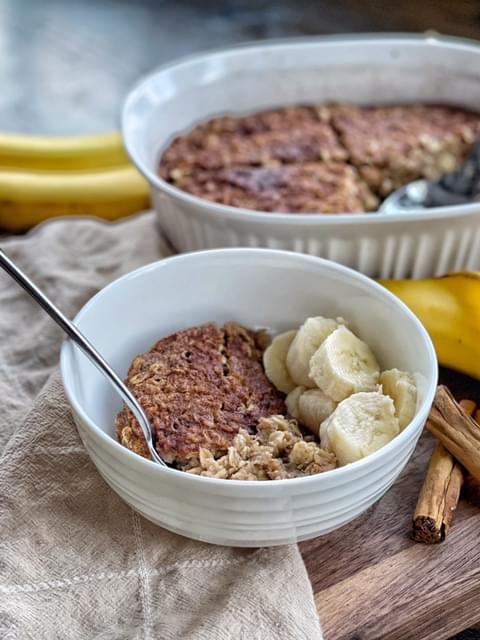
66,65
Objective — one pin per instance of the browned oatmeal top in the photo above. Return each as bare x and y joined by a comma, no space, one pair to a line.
198,387
303,188
324,158
394,145
376,135
291,135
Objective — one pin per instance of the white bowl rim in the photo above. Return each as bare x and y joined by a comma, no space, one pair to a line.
65,364
306,219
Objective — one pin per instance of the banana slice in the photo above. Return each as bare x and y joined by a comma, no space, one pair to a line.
291,402
274,358
400,386
323,436
343,365
314,407
309,337
360,425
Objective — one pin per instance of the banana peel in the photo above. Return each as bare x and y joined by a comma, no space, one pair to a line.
449,308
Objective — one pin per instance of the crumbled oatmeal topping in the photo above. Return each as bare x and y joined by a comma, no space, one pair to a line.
278,450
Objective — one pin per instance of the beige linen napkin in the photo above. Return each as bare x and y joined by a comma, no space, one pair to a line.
75,561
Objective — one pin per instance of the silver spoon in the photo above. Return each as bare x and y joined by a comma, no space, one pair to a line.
81,341
461,186
410,197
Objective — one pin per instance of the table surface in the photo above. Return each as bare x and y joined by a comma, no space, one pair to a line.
66,66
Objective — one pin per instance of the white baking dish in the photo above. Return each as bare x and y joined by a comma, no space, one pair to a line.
360,69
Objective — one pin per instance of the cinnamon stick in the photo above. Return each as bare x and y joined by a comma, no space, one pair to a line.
468,406
471,486
440,492
438,498
456,430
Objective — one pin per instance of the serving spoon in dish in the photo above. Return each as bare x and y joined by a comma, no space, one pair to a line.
88,349
453,189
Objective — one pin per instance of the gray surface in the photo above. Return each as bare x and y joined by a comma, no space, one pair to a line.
67,65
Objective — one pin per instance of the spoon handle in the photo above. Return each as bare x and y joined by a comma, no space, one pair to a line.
83,343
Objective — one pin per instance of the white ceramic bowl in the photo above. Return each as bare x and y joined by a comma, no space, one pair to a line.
257,288
361,69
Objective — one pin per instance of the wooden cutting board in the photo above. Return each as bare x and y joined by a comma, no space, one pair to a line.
371,582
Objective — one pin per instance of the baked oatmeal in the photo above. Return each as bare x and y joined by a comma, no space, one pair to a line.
277,450
298,188
213,410
214,398
272,138
394,145
198,387
326,158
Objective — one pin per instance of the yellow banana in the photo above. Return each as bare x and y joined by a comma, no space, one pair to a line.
449,308
62,153
27,198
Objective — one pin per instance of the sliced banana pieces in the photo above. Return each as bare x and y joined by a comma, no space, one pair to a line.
335,389
343,365
314,407
360,425
400,386
310,407
323,435
274,362
309,337
291,402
